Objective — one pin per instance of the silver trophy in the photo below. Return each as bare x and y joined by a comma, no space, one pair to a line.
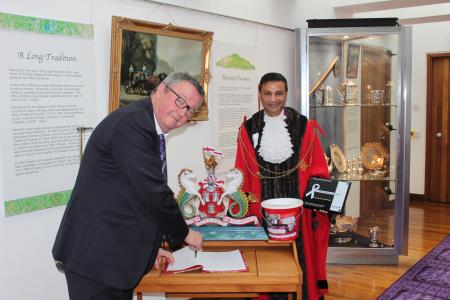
348,92
328,96
373,235
377,97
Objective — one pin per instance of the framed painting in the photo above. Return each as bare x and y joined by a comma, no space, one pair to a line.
353,60
144,53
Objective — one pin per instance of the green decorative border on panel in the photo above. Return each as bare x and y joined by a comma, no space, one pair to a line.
34,24
25,205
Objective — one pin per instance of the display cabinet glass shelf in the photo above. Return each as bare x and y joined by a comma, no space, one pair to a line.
355,82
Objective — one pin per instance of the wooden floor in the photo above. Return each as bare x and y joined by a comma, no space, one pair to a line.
429,223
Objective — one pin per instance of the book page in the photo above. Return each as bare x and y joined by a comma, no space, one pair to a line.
223,261
184,259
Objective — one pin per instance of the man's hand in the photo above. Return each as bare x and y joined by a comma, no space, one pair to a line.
194,239
163,253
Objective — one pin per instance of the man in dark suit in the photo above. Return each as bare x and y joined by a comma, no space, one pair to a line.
121,205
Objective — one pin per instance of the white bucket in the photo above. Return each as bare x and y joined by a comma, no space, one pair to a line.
282,216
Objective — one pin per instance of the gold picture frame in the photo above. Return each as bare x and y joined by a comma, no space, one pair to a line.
143,53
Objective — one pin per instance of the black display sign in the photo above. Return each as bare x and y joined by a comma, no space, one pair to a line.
326,194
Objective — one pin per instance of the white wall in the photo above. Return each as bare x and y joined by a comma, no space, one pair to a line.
26,266
427,38
274,12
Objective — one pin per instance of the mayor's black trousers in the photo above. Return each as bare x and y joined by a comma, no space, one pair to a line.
82,288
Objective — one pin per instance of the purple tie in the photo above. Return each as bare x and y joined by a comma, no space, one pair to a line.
162,155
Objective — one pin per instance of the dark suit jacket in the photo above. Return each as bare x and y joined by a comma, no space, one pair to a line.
121,205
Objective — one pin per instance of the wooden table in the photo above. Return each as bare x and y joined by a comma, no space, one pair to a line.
273,267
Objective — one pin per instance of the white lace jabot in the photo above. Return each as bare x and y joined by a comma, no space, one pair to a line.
276,145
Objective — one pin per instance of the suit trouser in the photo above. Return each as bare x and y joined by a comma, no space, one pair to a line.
82,288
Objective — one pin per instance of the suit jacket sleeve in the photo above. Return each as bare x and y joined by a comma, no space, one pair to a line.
135,147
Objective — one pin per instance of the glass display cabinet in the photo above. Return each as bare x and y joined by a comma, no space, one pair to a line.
355,81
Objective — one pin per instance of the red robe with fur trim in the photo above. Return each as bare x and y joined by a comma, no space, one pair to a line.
315,242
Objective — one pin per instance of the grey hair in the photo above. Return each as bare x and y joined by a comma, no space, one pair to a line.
184,76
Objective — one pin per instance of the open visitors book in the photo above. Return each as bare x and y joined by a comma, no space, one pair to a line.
186,260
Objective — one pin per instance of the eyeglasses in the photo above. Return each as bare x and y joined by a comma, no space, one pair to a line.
181,103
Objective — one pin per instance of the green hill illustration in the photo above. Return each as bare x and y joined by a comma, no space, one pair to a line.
234,61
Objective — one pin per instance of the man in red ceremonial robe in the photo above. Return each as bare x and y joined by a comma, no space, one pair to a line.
278,151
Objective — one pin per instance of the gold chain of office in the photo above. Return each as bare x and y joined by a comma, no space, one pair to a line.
301,163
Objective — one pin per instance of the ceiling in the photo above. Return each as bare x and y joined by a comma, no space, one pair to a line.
408,11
